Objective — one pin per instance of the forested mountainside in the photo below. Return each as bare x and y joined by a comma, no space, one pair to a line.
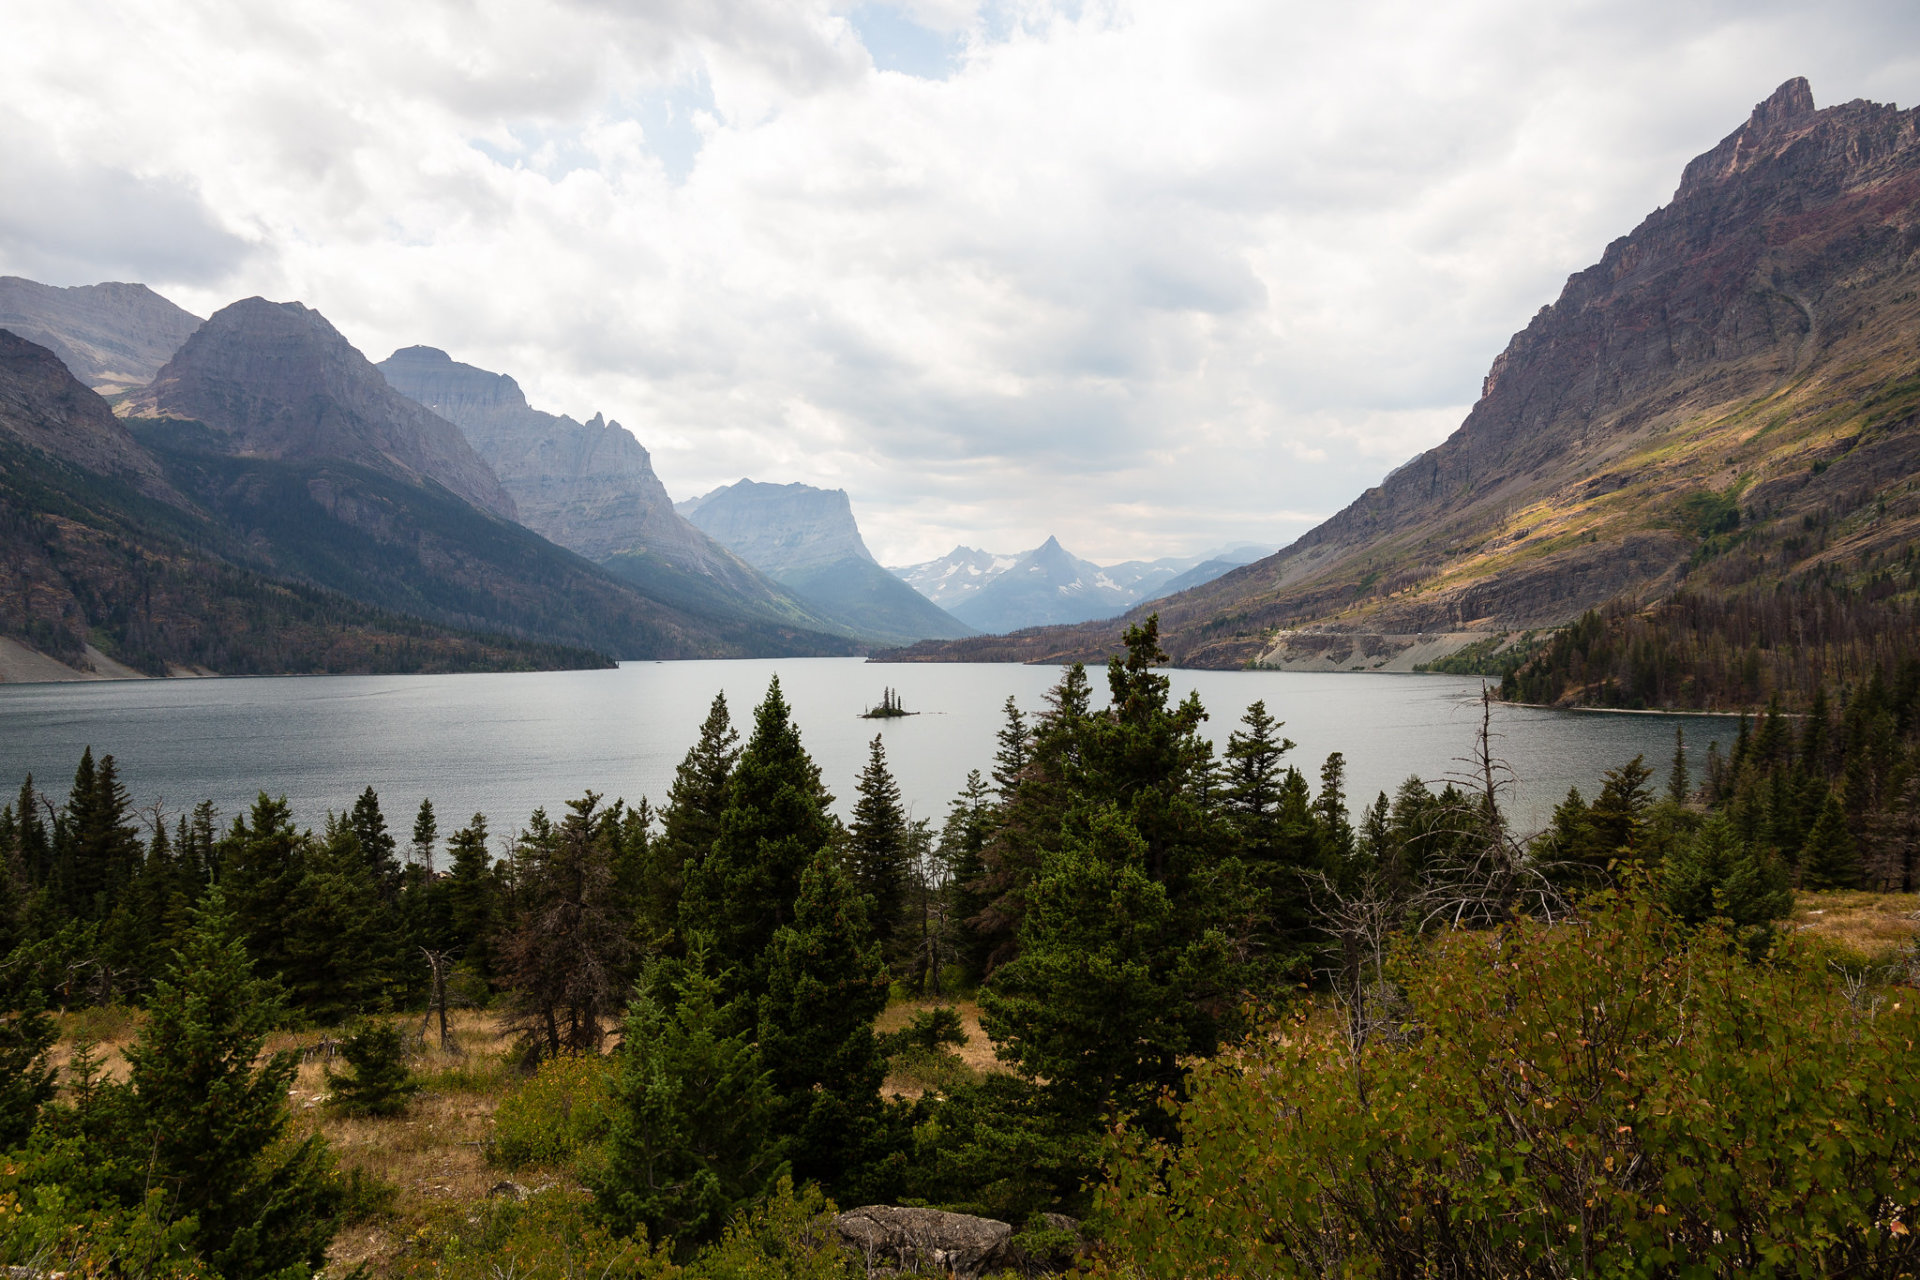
162,547
1726,405
806,539
590,487
113,336
100,553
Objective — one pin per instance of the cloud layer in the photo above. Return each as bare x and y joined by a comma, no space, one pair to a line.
1151,277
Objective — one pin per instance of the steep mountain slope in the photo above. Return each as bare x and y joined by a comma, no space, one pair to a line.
590,487
112,336
330,476
103,562
807,540
277,381
1729,399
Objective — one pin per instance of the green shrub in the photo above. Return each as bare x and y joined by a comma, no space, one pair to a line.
366,1196
549,1236
380,1083
556,1116
1613,1095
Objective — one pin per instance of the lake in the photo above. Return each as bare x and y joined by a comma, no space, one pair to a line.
507,744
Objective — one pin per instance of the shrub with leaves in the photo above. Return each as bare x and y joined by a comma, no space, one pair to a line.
380,1083
558,1114
1613,1095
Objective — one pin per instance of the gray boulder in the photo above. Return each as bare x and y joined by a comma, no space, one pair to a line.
922,1240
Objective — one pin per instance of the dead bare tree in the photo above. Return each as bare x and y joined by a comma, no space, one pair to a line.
438,963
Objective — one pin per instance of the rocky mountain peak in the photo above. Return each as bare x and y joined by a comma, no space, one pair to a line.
112,336
281,382
780,527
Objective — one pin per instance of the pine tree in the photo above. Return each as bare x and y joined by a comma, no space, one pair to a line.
339,938
27,1036
214,1124
690,1142
1829,859
262,861
876,850
953,902
827,982
1015,747
775,821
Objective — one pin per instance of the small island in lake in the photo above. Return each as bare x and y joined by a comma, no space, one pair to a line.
889,707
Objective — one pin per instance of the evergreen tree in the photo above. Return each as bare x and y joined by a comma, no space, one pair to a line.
957,900
877,851
213,1119
775,821
339,938
1015,747
262,861
27,1035
1713,875
690,1144
426,833
826,983
377,845
380,1083
96,846
1829,859
691,822
1619,814
566,954
1679,785
471,890
1105,998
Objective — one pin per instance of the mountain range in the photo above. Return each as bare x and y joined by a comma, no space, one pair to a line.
1728,401
1001,593
806,539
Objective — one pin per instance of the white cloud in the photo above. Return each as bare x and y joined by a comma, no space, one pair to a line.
1152,277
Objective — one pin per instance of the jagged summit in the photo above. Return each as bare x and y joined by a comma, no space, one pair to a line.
278,381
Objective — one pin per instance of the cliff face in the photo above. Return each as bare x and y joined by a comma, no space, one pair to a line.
113,337
807,540
277,381
1744,360
588,486
778,527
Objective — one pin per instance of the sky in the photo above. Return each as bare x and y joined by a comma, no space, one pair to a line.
1155,278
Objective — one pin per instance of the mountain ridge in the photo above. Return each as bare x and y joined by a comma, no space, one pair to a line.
1736,367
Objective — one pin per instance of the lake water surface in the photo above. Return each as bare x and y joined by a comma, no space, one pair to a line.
507,744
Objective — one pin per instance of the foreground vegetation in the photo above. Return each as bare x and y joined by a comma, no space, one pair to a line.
1231,1030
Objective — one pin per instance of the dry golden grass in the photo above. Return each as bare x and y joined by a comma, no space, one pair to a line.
1879,926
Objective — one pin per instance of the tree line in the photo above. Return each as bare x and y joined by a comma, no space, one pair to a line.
1128,903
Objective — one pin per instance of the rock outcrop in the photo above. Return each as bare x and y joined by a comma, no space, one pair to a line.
888,1238
275,380
807,540
113,337
1743,359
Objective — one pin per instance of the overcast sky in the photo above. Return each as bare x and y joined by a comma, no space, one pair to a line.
1153,277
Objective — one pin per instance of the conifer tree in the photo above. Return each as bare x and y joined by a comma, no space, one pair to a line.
700,788
954,903
566,954
380,1083
877,852
690,1142
377,845
262,861
426,833
27,1035
775,821
1829,859
213,1119
1679,785
470,895
96,846
1015,747
339,938
826,983
1713,875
